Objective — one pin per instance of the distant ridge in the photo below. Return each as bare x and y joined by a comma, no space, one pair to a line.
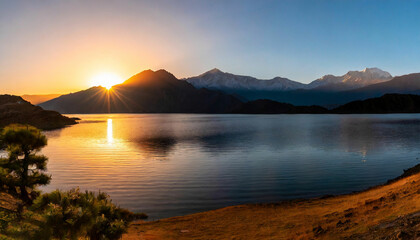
388,103
265,106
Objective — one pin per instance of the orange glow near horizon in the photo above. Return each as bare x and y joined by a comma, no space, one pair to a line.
106,80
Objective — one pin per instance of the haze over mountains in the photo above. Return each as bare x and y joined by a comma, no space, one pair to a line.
37,99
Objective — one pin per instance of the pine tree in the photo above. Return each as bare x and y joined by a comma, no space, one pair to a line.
23,169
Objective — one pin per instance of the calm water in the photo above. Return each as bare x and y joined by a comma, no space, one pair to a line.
174,164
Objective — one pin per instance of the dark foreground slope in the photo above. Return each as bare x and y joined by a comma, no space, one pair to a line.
388,103
146,92
14,109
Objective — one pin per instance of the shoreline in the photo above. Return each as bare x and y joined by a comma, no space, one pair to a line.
368,214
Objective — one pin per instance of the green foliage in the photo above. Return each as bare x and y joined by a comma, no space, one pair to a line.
6,217
72,214
23,170
17,225
69,215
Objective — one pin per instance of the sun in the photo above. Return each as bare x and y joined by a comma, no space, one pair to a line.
106,80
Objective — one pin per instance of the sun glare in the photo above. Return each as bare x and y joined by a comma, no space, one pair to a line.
106,80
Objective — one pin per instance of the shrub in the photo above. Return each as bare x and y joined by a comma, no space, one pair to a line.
73,214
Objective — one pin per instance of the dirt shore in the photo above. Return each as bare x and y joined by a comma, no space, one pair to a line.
390,211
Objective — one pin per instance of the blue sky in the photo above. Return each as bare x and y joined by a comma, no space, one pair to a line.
58,42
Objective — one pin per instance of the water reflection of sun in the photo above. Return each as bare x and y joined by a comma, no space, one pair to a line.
110,136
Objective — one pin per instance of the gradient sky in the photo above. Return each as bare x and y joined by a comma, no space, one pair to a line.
57,46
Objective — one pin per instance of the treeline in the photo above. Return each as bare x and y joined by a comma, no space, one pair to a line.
388,103
57,215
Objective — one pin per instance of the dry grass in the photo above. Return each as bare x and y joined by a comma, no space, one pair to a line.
329,218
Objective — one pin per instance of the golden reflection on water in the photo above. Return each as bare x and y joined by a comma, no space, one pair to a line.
110,136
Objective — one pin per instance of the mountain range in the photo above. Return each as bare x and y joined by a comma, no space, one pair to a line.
329,90
219,92
218,80
146,92
351,80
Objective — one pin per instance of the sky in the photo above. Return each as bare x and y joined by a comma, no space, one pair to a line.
58,46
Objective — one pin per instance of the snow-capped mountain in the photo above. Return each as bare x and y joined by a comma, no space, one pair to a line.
351,80
216,79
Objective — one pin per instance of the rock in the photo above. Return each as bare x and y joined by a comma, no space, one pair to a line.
318,231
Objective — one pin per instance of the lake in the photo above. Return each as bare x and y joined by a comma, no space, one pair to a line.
175,164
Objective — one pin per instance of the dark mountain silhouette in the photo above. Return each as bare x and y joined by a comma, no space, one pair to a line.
265,106
388,103
14,109
146,92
